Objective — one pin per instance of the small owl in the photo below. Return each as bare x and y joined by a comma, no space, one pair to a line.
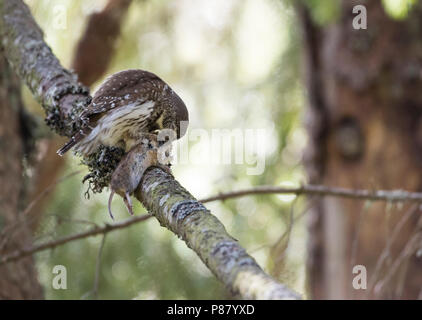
128,111
127,107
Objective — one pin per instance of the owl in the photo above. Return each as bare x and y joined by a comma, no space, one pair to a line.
128,111
127,107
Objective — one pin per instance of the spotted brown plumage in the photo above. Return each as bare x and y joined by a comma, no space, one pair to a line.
127,106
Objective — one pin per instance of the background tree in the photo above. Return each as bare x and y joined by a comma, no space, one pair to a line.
18,280
364,123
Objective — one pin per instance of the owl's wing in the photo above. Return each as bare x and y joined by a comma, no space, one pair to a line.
118,90
123,88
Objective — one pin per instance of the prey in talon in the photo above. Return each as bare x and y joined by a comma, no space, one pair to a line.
129,172
128,108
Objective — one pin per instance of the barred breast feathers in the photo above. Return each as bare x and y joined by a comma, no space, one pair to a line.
109,128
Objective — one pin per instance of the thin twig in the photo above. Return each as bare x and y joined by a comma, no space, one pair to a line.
94,290
98,267
60,220
375,195
47,191
386,251
7,231
15,255
356,235
408,250
286,236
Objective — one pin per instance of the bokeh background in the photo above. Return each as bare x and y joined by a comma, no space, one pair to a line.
236,64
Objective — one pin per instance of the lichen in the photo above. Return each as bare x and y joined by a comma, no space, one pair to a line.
73,122
32,59
101,165
176,209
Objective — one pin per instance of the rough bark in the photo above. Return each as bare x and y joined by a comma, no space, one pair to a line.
19,279
56,88
316,119
364,121
177,210
62,96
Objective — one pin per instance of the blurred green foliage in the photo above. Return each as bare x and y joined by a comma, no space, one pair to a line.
323,12
236,65
398,9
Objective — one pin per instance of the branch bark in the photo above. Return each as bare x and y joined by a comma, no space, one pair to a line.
54,87
177,210
63,98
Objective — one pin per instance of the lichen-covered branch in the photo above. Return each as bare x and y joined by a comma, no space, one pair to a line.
176,209
56,88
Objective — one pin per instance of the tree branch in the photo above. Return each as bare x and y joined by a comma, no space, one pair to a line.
23,252
375,195
63,98
177,210
56,88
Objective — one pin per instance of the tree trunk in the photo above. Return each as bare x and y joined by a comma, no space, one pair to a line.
365,125
17,280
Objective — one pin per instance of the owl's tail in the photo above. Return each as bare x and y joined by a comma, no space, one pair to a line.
69,145
72,142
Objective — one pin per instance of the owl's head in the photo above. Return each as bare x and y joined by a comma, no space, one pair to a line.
182,115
